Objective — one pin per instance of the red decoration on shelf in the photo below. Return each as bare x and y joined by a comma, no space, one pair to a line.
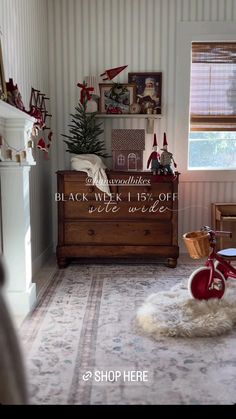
85,92
112,72
14,97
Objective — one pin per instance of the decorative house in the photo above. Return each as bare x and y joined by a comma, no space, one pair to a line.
127,149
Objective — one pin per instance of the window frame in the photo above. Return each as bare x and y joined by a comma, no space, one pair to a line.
188,32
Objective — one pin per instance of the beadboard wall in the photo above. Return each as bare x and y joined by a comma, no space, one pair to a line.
89,36
24,27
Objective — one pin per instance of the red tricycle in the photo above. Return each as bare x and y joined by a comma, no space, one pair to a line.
209,281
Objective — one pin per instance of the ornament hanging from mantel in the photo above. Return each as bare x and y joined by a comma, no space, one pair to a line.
38,109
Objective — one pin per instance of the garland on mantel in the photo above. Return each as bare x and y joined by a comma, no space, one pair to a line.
9,153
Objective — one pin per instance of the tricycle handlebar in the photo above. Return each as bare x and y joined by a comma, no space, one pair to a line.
223,233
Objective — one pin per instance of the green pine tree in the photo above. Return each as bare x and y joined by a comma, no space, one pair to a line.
85,133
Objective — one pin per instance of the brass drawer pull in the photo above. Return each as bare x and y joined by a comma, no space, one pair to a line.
91,232
146,232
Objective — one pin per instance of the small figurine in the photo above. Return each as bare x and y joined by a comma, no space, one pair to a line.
154,158
14,97
167,159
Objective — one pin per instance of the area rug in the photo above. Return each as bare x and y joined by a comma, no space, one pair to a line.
82,345
174,313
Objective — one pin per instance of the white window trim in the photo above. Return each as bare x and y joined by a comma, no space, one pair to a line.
186,34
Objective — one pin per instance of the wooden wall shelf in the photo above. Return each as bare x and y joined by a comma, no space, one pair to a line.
129,115
150,118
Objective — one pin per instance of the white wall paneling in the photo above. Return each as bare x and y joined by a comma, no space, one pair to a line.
24,25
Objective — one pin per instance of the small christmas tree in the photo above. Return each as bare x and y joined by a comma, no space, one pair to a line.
84,138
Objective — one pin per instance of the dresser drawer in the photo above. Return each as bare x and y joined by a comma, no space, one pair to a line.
78,187
133,210
158,233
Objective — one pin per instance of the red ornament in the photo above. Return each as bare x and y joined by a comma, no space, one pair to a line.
85,91
112,72
37,114
41,145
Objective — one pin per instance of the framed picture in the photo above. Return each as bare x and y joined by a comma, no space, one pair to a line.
149,87
3,88
116,98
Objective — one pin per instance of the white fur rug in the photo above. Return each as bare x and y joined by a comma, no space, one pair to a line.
175,313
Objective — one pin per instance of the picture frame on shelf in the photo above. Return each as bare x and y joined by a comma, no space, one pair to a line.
3,86
116,98
149,90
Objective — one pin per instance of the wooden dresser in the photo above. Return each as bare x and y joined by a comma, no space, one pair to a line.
139,220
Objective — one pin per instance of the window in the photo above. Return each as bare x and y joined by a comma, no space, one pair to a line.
212,139
121,160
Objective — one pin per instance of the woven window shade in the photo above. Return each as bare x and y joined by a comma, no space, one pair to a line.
213,87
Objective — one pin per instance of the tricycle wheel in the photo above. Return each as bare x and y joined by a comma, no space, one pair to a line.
198,284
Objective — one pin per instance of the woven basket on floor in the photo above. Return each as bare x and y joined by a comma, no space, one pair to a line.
197,243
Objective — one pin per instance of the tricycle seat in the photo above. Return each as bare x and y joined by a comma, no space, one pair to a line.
227,253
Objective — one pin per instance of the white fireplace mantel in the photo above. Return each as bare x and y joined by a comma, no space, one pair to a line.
15,129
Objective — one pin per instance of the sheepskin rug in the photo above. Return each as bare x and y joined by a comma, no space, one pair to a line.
174,313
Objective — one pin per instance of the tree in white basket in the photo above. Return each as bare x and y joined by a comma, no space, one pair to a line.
85,142
85,133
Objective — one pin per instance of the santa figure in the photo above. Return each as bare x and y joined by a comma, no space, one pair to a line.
154,158
167,158
150,89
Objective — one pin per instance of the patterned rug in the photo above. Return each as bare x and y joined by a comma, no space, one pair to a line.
82,344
